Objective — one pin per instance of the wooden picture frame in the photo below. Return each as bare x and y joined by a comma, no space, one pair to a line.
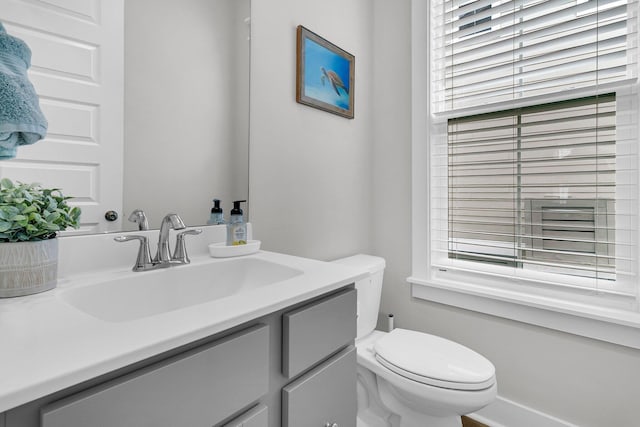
325,74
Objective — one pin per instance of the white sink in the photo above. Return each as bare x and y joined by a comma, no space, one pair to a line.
149,293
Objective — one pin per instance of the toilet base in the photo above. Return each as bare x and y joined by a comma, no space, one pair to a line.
371,411
407,416
382,409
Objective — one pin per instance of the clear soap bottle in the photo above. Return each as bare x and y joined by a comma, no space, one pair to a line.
236,228
217,216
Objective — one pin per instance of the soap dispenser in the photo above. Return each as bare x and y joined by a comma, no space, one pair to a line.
216,217
236,228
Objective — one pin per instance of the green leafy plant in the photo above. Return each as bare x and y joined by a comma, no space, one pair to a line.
29,212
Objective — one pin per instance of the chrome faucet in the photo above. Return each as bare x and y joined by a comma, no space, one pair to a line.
163,257
138,216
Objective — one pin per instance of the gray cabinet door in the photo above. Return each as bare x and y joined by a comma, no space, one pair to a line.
324,396
199,388
255,417
315,331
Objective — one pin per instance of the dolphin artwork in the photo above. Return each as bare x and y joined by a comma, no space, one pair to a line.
334,79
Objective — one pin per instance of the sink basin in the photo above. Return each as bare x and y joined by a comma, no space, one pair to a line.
149,293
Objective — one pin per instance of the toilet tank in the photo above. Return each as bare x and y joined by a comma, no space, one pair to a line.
369,290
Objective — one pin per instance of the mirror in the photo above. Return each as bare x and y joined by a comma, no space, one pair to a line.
186,125
185,107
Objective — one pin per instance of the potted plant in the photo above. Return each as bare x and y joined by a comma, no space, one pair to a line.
30,218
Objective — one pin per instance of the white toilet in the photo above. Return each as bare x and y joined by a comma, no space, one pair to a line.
408,378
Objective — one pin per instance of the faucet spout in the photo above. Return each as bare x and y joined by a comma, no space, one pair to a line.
163,256
138,216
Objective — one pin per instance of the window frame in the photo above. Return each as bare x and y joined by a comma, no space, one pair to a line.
568,310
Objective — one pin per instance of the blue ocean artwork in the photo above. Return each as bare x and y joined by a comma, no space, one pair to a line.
326,75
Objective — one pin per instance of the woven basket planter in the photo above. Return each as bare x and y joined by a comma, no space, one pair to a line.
28,267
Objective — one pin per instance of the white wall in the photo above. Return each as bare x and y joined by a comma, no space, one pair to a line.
310,171
186,96
579,380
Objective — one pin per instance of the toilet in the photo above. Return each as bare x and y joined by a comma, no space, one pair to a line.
408,378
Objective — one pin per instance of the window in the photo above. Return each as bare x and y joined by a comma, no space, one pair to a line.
534,187
532,156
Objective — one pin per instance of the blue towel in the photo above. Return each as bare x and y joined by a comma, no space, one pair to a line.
21,120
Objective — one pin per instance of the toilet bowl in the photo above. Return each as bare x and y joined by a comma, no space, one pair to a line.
408,378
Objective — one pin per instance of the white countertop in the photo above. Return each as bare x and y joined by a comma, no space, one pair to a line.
47,345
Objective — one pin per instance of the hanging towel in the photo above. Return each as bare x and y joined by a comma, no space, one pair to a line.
21,120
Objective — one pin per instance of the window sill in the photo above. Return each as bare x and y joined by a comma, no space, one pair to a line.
601,323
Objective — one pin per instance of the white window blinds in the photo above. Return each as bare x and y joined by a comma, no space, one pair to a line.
534,141
524,191
492,51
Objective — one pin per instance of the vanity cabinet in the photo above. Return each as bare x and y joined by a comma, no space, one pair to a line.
255,417
294,367
317,330
317,341
199,388
325,396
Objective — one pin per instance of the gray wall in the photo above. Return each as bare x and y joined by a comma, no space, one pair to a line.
324,187
310,172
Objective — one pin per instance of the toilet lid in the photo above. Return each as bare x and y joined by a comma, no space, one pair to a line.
434,360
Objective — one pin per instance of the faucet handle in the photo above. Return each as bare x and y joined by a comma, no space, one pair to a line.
143,260
180,251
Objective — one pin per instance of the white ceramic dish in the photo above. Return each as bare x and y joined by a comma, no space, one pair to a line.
221,250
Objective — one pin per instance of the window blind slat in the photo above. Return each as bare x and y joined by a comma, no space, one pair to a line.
502,52
520,34
609,65
564,55
565,17
538,90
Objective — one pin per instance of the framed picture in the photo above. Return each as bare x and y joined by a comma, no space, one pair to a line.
325,75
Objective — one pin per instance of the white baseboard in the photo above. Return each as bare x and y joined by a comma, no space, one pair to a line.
507,413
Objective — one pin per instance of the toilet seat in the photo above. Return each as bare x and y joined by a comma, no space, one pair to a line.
434,361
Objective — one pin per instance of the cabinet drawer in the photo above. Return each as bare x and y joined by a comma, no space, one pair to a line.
255,417
198,388
315,331
324,396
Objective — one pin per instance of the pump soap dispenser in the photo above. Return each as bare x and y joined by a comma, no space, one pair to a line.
217,217
236,228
